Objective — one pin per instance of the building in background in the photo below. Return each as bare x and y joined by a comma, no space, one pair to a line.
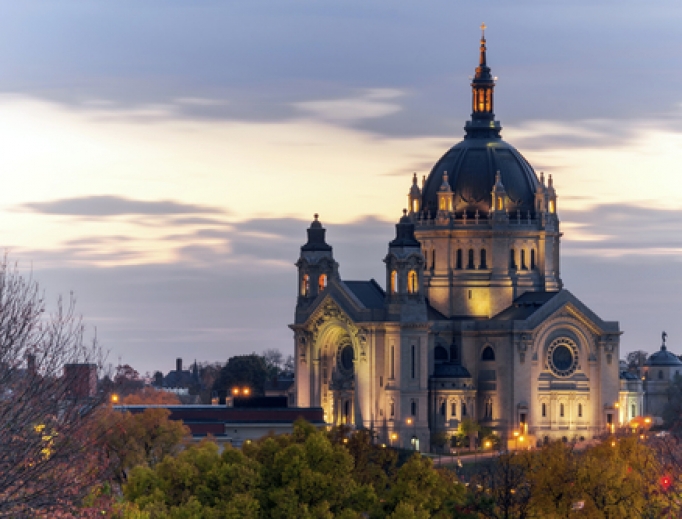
474,322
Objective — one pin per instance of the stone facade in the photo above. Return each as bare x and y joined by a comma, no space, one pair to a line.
474,322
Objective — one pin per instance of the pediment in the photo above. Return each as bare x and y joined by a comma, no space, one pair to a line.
564,305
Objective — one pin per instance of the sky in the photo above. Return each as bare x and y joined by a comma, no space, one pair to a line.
161,160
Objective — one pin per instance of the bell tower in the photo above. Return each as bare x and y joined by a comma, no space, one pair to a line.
316,265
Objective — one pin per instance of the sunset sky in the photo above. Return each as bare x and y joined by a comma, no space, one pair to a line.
162,159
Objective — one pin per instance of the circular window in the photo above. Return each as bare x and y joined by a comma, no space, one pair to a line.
347,358
562,357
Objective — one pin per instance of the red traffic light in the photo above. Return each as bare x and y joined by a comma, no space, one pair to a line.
666,482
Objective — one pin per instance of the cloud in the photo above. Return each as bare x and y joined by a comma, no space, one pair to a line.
369,104
107,205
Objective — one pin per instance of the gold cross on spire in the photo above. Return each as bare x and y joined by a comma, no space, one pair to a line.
483,28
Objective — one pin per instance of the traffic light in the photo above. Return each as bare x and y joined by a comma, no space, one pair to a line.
666,481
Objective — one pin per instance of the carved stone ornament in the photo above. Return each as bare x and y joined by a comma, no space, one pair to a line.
330,311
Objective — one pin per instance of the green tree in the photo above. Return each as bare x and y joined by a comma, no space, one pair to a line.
198,482
242,371
470,428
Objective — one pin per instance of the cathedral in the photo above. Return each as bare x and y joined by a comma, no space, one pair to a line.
473,322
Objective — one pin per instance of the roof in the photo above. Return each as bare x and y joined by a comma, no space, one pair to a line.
281,384
450,370
524,306
663,358
433,314
369,293
628,376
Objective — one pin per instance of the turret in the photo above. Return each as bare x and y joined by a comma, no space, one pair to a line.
445,200
316,265
404,272
414,197
499,209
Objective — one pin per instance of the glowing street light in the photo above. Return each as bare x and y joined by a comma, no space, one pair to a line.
114,398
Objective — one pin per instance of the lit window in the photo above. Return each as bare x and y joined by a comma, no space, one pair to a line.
394,282
551,206
412,282
322,282
415,205
305,285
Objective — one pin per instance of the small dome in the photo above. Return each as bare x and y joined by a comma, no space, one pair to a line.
663,358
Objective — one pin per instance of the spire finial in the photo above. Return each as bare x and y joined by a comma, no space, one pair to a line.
316,216
482,59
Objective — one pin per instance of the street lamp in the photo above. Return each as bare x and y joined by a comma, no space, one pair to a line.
114,398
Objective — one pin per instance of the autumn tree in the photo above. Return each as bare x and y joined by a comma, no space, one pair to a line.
150,396
134,439
47,429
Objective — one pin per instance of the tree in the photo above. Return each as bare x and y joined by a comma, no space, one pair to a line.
470,428
242,371
139,439
636,359
126,380
47,429
150,396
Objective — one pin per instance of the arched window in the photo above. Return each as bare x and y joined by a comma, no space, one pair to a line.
580,410
305,285
523,259
471,264
488,353
512,259
412,282
346,412
484,259
440,354
464,409
453,409
532,259
544,410
561,410
394,282
392,409
415,205
459,259
551,206
322,282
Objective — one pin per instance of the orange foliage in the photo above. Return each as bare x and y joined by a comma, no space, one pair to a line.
151,396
